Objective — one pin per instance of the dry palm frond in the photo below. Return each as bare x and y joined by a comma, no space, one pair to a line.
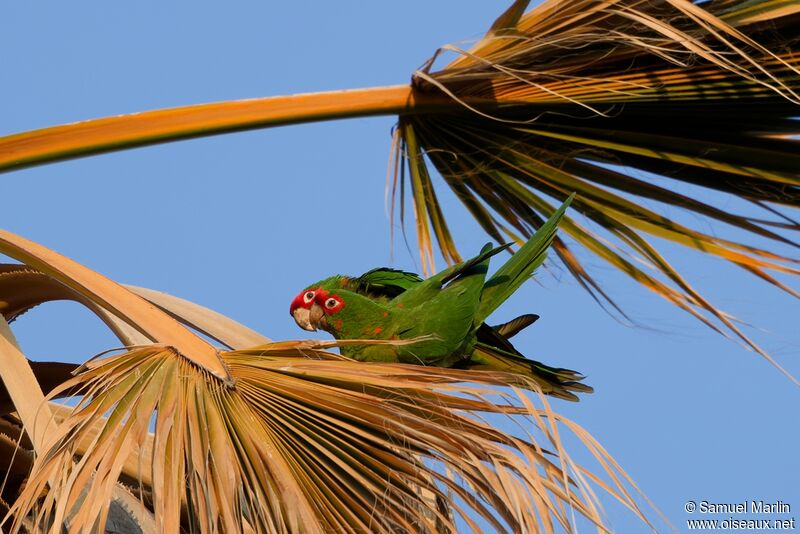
23,389
293,439
23,288
127,513
308,440
152,323
213,324
589,96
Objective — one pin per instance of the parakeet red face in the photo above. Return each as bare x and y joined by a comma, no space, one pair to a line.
311,307
301,307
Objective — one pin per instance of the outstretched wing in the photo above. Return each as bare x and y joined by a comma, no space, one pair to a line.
458,275
520,266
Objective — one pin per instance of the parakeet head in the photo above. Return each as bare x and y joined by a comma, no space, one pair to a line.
308,307
327,306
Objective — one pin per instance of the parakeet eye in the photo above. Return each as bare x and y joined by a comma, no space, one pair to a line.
308,297
329,303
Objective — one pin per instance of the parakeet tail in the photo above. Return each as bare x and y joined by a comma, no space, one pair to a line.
554,381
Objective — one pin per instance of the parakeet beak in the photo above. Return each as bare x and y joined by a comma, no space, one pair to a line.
301,317
309,319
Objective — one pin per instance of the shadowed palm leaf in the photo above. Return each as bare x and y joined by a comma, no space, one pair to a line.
585,96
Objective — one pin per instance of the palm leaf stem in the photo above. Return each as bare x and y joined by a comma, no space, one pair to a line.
121,132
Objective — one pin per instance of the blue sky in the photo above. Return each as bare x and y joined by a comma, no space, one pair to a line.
241,223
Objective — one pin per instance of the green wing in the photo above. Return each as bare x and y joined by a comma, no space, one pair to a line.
519,267
444,306
452,276
385,282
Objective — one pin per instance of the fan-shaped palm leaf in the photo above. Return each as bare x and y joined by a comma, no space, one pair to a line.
289,438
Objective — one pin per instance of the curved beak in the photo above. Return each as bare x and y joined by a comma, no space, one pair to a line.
309,319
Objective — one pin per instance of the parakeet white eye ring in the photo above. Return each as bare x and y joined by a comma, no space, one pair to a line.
308,297
331,303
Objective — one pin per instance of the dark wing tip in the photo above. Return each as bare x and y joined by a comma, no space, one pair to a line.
516,325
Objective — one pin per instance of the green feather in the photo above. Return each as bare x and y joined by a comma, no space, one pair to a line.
385,282
520,267
428,289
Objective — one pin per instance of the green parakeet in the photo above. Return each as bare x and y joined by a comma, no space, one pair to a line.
448,310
